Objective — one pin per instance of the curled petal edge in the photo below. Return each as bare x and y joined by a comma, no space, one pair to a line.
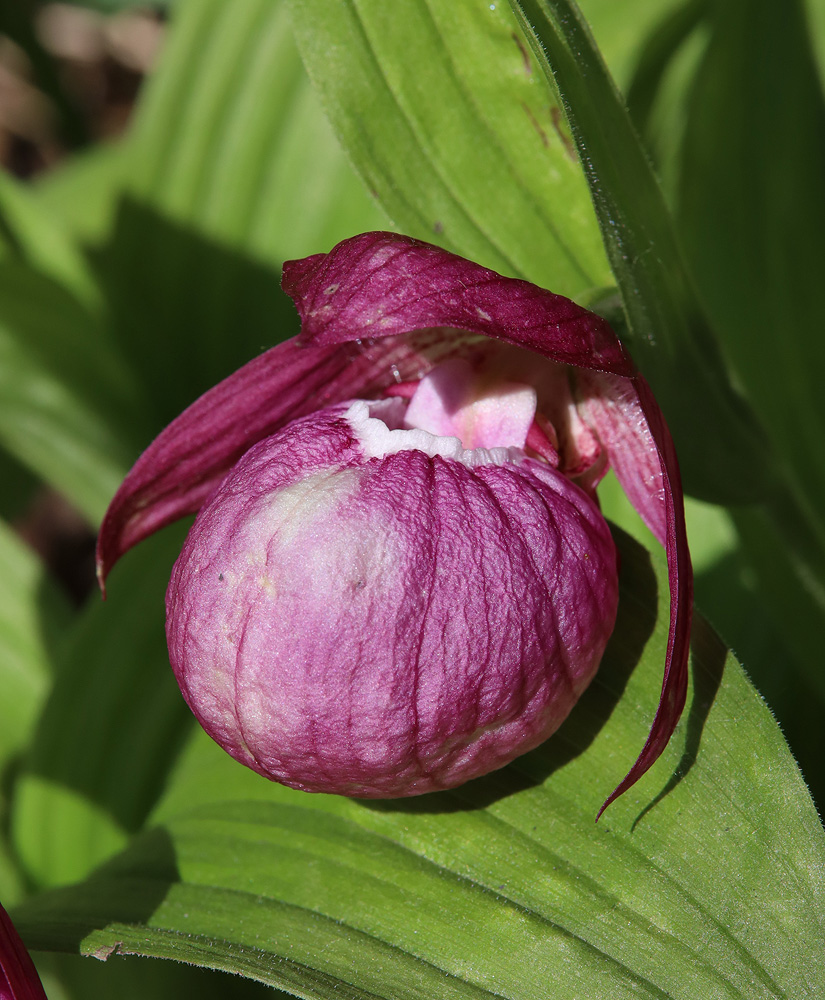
380,284
190,457
355,304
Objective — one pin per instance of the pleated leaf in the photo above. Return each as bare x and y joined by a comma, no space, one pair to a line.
447,117
706,879
65,400
33,617
69,408
753,218
108,732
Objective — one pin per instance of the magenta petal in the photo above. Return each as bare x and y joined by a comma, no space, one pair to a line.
382,284
190,457
18,977
387,626
629,423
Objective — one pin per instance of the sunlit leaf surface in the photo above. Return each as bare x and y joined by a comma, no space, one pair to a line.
451,123
705,880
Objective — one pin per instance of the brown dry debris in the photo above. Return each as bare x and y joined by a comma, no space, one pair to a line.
97,62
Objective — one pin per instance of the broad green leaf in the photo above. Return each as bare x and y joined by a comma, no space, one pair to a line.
231,169
721,449
33,615
624,32
30,233
706,879
109,731
68,406
752,220
744,583
82,191
69,977
68,409
657,54
450,123
230,140
657,95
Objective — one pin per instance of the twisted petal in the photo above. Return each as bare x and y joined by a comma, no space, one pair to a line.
381,284
630,424
190,457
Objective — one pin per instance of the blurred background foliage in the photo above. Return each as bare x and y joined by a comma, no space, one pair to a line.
160,164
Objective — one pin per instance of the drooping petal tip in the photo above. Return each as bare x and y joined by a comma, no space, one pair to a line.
379,313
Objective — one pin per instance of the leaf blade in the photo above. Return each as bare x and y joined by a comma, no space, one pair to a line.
492,185
504,885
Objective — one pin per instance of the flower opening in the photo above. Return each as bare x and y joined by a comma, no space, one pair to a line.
399,578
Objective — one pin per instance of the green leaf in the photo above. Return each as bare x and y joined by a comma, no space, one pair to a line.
706,879
626,32
752,222
33,616
68,408
657,96
110,730
69,977
230,169
721,450
29,232
442,110
82,192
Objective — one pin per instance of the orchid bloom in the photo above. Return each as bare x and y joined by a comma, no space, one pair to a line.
18,977
399,578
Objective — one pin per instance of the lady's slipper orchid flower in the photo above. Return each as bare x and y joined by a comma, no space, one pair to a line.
399,578
18,977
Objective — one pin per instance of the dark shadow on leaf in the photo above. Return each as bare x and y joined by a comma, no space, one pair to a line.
634,626
115,721
708,656
128,889
179,343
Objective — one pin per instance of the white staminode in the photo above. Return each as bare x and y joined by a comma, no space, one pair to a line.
378,426
484,411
